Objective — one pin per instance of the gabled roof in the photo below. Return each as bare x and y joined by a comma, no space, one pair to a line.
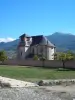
24,35
38,40
41,40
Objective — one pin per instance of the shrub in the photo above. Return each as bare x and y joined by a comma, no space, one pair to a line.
43,58
35,57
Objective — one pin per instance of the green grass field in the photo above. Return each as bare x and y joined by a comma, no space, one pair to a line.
34,73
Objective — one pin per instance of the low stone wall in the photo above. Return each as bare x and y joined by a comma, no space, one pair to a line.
70,64
47,63
23,62
38,63
53,64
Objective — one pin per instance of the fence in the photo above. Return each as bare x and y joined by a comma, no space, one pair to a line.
47,63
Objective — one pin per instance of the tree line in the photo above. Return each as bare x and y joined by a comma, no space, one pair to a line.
63,56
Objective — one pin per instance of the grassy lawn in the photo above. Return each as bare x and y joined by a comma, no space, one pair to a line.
34,73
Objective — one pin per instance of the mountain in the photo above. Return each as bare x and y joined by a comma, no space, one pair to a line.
62,41
9,45
10,48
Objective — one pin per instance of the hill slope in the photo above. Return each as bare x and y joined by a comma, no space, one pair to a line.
9,45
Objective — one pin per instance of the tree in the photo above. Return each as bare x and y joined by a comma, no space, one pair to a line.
2,56
64,57
43,60
55,56
69,55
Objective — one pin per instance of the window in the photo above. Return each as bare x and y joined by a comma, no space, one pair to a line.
33,51
41,50
51,47
28,42
21,53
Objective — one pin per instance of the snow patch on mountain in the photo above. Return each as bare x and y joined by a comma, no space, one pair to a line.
8,39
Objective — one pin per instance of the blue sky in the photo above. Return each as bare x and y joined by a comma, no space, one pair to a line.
36,17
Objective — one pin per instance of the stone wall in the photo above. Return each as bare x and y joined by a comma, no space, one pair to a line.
47,63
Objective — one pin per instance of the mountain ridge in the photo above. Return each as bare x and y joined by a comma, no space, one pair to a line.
62,41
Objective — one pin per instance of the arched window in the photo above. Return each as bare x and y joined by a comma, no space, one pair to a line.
21,53
41,49
33,51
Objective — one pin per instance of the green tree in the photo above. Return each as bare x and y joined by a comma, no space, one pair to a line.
2,56
55,56
69,55
42,58
64,57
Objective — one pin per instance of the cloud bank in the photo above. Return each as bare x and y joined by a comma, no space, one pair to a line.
6,39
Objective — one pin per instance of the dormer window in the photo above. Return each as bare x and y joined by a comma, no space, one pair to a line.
28,43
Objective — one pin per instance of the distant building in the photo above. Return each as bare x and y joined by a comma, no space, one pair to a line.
35,45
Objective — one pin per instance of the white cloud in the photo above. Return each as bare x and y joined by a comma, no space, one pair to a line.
6,39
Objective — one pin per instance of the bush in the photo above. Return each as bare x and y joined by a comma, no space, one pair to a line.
35,57
43,58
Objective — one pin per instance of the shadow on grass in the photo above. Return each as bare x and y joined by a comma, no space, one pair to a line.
47,67
65,69
57,69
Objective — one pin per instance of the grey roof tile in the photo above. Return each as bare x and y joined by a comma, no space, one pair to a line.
39,40
42,40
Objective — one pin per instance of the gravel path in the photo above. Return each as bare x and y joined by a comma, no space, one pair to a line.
34,93
31,91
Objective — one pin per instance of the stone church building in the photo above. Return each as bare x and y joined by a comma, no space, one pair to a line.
39,45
